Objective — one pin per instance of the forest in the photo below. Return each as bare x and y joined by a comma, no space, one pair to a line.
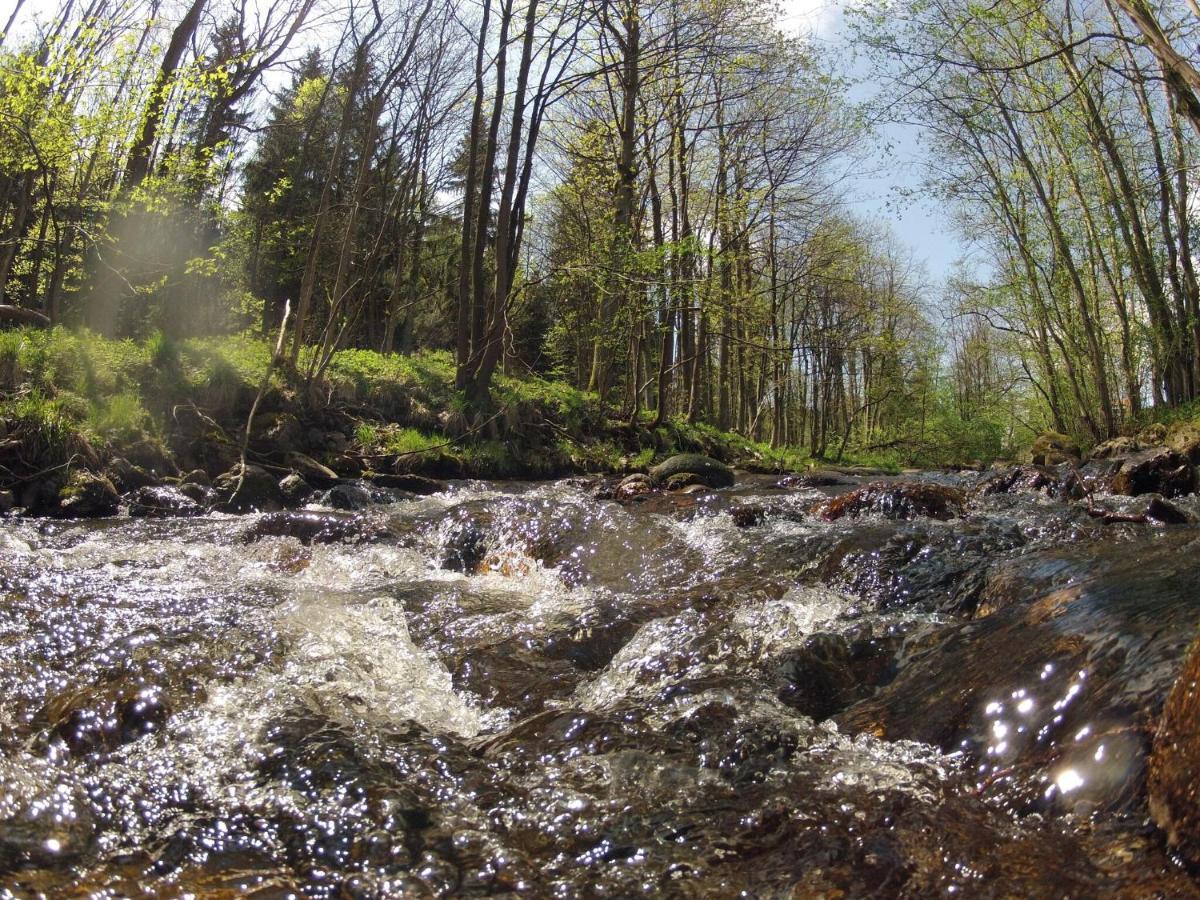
647,200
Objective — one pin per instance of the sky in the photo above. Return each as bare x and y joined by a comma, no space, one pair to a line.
921,225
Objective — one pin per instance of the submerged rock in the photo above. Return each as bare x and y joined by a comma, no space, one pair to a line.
897,500
1053,688
317,528
707,470
1175,763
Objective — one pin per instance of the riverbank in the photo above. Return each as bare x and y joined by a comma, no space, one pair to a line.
78,410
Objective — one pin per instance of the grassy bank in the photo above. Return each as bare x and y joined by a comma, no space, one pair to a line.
69,396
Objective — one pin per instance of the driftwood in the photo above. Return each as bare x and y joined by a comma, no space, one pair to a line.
16,315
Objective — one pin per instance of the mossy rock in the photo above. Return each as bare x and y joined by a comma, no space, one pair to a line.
1052,448
707,470
87,496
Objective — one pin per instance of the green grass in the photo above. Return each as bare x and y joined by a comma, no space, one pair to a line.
59,382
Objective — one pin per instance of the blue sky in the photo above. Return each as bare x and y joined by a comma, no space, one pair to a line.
922,225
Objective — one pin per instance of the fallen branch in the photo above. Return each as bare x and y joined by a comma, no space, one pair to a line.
21,316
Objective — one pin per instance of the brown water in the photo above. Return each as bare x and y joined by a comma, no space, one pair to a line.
519,689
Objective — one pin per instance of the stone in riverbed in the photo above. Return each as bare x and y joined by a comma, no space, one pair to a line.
1157,471
632,485
87,496
161,503
348,496
257,491
1175,763
316,528
897,500
711,472
295,489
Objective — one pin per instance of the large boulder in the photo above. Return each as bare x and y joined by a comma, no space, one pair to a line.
1156,471
707,470
1175,763
897,500
1052,448
87,495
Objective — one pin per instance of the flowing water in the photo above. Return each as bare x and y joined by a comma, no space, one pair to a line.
521,689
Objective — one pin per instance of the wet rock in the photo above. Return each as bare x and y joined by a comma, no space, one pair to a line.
126,477
829,672
681,480
317,528
87,496
348,496
633,485
7,501
415,484
309,469
198,493
463,548
897,500
1174,784
161,503
1059,678
1148,508
711,472
295,489
1051,448
816,478
1033,479
254,489
196,476
750,514
690,489
1157,471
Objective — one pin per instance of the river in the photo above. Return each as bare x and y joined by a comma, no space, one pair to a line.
518,688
